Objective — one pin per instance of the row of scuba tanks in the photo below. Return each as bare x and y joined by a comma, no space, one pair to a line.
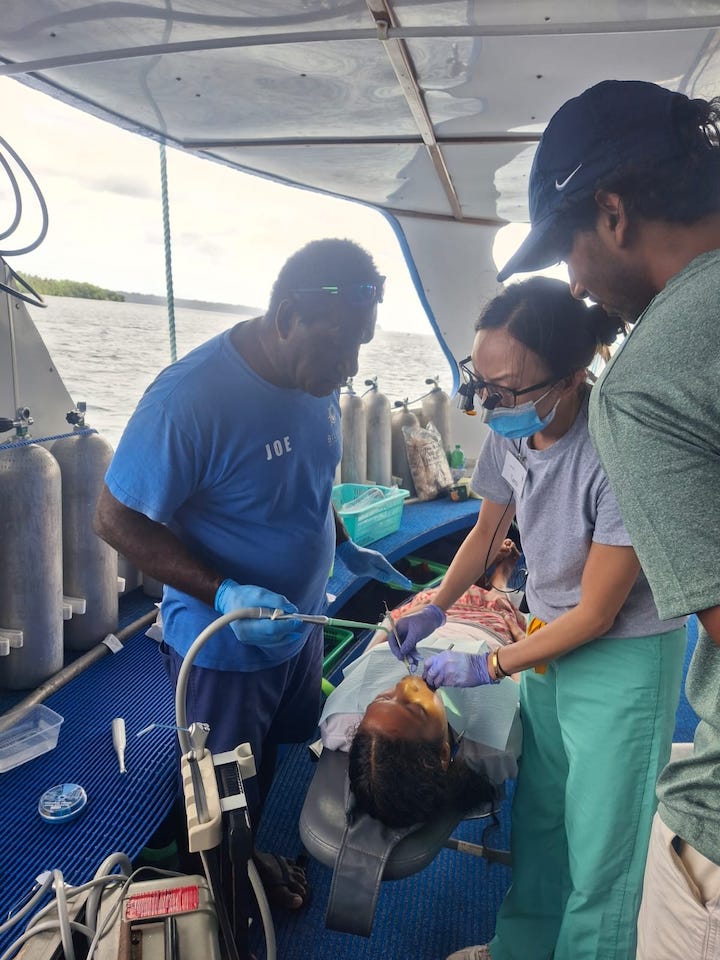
59,584
374,448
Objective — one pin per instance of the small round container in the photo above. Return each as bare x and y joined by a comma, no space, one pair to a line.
62,803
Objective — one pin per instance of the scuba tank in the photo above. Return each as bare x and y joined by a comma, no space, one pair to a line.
353,468
436,410
402,417
379,435
31,586
90,566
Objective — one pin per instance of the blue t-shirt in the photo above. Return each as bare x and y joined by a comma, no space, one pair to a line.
242,472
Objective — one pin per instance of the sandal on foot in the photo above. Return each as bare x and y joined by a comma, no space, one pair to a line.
480,952
284,880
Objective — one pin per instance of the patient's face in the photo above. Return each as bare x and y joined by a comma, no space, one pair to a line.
409,711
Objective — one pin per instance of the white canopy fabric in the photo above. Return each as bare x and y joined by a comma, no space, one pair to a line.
428,109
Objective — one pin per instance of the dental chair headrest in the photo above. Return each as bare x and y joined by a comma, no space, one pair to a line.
361,850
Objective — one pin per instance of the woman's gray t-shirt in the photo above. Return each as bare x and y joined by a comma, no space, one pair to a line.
564,505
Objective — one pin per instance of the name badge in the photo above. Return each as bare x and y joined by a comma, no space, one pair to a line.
515,473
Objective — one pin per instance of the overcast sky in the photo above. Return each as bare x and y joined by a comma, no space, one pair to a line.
230,231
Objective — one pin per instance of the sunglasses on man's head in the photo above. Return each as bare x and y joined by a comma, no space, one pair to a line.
355,294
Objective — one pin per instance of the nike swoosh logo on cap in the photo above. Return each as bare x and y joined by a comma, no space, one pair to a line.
561,185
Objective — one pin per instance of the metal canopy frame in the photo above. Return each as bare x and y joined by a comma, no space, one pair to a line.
386,29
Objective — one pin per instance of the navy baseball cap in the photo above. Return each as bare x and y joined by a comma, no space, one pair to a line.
588,138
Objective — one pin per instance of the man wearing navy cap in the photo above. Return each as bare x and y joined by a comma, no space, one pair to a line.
625,188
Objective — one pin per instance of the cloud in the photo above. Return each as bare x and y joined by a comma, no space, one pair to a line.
122,185
230,232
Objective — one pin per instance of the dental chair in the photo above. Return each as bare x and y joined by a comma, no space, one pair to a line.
362,851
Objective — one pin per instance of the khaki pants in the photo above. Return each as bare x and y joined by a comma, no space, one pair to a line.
680,910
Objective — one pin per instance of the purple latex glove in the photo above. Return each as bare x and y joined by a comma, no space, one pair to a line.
370,563
454,669
413,628
258,633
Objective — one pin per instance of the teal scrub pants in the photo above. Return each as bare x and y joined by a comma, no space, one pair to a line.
597,731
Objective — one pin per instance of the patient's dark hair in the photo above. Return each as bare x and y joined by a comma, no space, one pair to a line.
543,315
402,782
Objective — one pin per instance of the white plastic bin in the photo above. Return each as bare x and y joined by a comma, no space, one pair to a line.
36,733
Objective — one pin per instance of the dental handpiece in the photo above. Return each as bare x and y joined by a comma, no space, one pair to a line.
118,739
326,621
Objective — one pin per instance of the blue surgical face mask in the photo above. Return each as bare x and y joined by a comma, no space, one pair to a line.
521,421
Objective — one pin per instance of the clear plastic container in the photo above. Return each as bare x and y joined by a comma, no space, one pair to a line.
376,519
36,733
366,499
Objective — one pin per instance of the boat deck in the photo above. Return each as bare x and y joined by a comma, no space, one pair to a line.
124,811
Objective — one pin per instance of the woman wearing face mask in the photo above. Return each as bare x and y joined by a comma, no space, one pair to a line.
598,709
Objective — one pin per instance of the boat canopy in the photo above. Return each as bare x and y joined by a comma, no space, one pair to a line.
429,110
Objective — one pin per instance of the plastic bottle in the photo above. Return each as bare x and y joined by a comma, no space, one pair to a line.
456,460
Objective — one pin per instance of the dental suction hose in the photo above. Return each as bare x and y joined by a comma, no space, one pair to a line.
243,613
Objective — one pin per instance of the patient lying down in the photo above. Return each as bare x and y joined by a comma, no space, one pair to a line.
414,752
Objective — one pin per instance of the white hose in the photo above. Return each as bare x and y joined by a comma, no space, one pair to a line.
42,928
104,870
71,893
264,907
243,613
23,912
63,916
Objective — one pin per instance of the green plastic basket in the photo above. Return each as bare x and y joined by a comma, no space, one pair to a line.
336,642
437,569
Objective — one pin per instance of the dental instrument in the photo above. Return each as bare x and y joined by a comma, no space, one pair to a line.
389,616
326,621
118,739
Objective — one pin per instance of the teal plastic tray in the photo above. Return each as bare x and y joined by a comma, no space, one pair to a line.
373,521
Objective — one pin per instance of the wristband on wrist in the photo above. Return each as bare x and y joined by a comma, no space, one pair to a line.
499,670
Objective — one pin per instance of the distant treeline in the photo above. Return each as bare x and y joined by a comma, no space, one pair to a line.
193,304
70,288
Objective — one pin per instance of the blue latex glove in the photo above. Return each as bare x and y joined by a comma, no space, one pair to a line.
258,633
413,628
454,669
370,563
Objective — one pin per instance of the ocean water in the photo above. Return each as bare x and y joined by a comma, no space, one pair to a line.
107,353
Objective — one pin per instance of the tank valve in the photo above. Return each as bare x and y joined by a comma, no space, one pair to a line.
20,424
76,417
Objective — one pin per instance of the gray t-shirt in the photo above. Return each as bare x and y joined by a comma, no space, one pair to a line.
655,419
565,504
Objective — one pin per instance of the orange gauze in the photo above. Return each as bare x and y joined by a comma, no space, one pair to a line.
533,627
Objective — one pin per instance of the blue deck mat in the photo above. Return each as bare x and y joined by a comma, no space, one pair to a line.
123,810
450,904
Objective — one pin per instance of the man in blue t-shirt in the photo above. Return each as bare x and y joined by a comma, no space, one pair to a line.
221,489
